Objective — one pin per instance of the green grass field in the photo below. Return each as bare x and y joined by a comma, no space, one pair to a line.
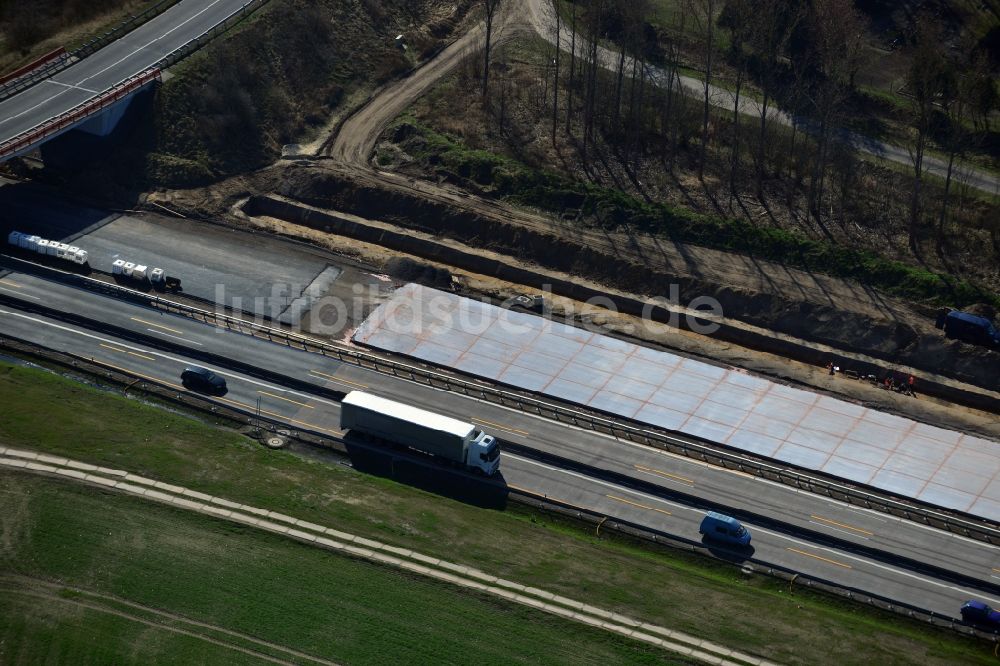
276,590
688,593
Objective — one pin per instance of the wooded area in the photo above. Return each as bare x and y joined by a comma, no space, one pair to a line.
616,94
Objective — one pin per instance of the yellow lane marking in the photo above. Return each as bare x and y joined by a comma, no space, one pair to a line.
280,397
658,472
13,284
165,328
736,471
338,379
125,351
802,552
500,427
139,374
845,526
995,569
641,506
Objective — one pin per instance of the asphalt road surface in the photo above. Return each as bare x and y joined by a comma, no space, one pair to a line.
133,54
871,552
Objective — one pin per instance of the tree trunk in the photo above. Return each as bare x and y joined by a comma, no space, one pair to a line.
620,79
572,74
918,174
555,87
710,21
944,201
735,155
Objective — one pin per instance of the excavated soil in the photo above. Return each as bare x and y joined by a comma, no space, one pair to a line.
831,311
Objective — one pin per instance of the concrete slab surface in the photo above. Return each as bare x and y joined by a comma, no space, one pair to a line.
725,405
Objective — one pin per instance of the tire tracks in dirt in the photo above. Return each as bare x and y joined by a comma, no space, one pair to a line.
49,591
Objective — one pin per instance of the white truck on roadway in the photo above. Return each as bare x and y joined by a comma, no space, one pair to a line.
440,436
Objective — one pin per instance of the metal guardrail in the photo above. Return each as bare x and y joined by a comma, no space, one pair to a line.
88,108
190,47
792,577
674,442
28,137
33,66
535,499
96,44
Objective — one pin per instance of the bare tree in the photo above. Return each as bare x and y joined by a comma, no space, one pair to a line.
491,11
572,72
971,97
925,81
704,14
736,17
771,28
836,33
555,88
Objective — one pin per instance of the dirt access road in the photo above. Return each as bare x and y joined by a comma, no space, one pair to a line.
842,313
352,146
541,16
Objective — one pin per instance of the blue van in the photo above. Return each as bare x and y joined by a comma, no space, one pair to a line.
724,528
970,328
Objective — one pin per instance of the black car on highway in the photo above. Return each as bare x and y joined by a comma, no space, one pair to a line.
203,380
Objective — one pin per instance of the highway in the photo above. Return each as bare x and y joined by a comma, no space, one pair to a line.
133,54
868,551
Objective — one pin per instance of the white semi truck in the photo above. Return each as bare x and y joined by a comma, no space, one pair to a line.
436,435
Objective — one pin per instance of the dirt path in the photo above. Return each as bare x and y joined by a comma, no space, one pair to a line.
351,149
542,18
355,140
54,598
29,584
468,578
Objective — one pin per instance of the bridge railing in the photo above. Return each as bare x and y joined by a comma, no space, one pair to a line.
40,70
60,122
193,45
675,442
78,113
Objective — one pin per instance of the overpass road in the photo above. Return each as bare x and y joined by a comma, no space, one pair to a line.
868,551
133,54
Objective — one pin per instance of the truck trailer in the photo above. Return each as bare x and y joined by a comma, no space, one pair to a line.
440,436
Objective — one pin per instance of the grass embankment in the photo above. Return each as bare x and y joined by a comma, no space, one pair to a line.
614,209
238,579
691,594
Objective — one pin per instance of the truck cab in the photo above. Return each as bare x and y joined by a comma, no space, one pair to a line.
484,454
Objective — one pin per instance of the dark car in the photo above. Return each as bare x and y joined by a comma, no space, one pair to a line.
203,380
978,613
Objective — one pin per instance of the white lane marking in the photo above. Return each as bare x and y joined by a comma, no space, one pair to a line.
871,513
778,535
32,108
837,529
69,85
167,357
175,337
150,43
78,84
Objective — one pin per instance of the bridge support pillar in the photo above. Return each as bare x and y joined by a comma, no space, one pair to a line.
96,137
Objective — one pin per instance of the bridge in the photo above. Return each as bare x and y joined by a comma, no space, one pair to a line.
90,89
